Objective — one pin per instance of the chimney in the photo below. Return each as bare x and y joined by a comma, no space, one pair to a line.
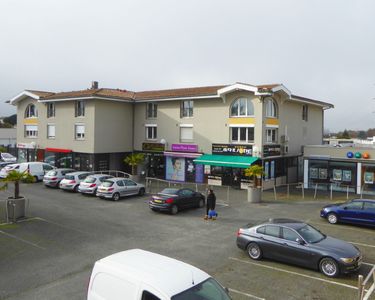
94,85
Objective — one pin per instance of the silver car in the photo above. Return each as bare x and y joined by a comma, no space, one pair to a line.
5,170
71,181
115,188
53,177
91,183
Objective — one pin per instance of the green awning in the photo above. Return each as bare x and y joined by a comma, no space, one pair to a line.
226,160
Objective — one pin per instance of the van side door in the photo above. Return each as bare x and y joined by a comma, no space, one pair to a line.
147,292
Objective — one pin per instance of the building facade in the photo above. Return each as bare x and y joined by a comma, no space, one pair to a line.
206,134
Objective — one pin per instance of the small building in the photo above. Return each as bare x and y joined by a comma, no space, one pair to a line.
8,137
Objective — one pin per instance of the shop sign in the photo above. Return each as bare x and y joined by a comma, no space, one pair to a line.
214,180
155,147
185,147
271,150
229,149
26,145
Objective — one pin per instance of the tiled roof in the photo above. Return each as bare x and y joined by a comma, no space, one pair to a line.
40,93
268,86
109,93
176,93
312,100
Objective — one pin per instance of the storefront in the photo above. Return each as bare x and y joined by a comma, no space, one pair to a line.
226,165
26,152
342,169
154,165
180,164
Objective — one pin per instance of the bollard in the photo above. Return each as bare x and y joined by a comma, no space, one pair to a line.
287,189
347,192
303,191
274,192
360,287
316,190
330,195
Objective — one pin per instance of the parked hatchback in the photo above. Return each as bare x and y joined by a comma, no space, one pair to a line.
115,188
298,243
6,169
356,211
53,177
71,181
91,183
7,157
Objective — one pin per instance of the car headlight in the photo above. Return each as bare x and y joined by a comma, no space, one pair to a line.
347,260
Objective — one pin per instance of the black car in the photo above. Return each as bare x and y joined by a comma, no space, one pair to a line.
173,200
298,243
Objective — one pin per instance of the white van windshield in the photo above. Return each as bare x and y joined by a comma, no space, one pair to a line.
209,289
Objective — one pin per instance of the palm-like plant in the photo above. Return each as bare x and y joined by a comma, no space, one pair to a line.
134,160
254,172
16,177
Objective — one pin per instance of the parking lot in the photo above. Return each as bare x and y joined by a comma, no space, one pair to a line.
50,255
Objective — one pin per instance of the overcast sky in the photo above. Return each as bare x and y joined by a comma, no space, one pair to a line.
319,49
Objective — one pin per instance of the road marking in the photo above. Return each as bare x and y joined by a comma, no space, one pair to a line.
63,226
368,264
360,244
296,273
246,294
22,240
338,227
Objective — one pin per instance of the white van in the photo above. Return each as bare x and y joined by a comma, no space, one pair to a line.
141,275
37,169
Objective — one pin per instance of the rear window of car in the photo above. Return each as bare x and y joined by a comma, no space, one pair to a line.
51,173
70,177
261,230
107,183
169,191
90,179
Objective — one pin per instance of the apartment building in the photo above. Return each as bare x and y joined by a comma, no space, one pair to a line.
205,134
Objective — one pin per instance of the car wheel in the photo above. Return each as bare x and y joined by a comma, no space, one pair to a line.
254,251
332,218
141,192
201,203
329,267
75,189
116,197
36,179
174,209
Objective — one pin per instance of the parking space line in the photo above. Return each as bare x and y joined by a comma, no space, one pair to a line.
295,273
360,244
22,240
246,294
338,227
60,225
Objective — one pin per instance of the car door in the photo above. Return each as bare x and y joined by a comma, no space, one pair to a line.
271,241
120,187
351,211
183,198
369,212
294,252
131,187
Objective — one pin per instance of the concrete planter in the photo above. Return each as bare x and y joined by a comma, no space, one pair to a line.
16,208
254,195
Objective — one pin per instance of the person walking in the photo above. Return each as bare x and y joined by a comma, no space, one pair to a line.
211,202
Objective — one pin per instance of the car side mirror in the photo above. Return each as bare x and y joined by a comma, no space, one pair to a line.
299,241
345,207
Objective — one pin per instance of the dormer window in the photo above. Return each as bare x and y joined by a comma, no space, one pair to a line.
31,111
242,107
271,108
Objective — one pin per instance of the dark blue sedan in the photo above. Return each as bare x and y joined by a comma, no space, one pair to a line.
356,211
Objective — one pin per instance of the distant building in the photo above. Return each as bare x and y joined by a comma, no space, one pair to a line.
8,136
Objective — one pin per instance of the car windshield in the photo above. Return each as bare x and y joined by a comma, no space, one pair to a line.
209,289
69,177
7,155
169,191
51,173
310,234
107,183
90,179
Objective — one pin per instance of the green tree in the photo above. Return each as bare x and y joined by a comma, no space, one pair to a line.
3,149
134,160
16,177
12,120
254,172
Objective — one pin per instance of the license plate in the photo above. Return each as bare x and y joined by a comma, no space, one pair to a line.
158,201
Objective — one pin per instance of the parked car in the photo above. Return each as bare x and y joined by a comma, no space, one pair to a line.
36,168
6,169
53,177
173,200
7,157
142,275
71,181
4,163
298,243
115,188
91,183
356,211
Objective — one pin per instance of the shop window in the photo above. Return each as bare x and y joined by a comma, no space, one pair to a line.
271,135
271,108
242,134
305,112
80,108
151,132
242,107
151,110
50,110
79,131
187,108
186,132
51,131
31,111
31,131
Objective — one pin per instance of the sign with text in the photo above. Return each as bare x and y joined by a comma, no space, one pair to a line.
185,147
271,150
230,149
153,147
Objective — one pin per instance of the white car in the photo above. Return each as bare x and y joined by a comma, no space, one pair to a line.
137,275
71,181
4,171
115,188
53,177
7,157
91,183
37,169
